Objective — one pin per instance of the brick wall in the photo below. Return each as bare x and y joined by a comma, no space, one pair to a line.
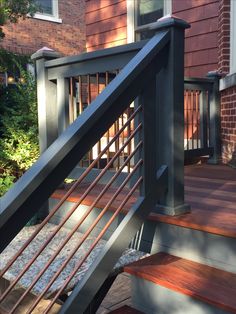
106,23
228,123
224,36
67,37
228,96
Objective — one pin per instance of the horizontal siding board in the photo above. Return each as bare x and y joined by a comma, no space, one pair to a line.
94,5
106,37
201,42
107,45
107,25
200,70
182,5
202,27
200,13
106,13
202,57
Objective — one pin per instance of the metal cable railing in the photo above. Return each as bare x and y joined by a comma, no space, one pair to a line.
82,218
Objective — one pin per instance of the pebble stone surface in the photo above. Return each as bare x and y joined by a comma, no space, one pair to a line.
128,256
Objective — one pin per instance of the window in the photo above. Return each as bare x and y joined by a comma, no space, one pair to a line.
48,10
233,37
46,6
144,12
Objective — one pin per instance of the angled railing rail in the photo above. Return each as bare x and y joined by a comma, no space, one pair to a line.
155,76
77,81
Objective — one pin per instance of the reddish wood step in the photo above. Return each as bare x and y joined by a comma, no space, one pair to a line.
125,310
209,189
208,284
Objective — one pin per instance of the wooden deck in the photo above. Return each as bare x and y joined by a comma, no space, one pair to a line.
211,192
209,189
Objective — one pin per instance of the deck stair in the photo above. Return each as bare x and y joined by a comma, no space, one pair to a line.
127,257
199,255
67,260
126,310
163,283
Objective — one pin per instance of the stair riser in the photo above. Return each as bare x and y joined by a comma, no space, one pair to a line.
154,299
89,220
206,248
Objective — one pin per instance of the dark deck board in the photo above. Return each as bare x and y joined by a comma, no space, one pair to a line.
210,190
203,282
126,310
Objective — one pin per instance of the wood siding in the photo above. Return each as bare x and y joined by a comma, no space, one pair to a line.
106,23
201,44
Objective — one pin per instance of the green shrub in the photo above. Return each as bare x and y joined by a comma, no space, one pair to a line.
18,129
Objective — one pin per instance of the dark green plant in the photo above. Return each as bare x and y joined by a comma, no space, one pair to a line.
12,10
19,132
9,61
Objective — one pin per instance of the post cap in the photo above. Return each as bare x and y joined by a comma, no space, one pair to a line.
214,74
169,21
45,53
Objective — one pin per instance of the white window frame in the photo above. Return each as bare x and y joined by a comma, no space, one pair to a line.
48,17
131,17
233,37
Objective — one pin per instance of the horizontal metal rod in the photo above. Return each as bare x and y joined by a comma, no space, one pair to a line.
84,237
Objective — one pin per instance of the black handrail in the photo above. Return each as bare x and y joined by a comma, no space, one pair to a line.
39,182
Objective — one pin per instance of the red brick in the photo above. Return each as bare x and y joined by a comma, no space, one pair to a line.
67,37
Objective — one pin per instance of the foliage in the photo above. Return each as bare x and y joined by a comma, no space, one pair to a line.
9,61
12,10
18,129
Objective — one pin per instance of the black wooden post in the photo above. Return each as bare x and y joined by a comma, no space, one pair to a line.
47,111
47,99
170,118
204,104
214,119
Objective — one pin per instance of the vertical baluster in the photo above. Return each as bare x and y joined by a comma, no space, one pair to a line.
128,134
185,117
203,108
89,102
80,95
99,142
187,102
192,118
117,127
197,116
71,101
108,131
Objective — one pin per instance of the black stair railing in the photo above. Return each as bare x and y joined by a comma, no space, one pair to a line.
154,80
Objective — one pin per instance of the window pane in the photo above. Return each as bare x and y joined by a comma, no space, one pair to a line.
149,11
45,6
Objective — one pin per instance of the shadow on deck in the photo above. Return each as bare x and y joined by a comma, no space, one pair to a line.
209,189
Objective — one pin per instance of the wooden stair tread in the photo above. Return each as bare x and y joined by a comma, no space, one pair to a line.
127,256
126,310
209,189
75,196
208,284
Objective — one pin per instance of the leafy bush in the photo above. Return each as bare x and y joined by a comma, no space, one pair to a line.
18,129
